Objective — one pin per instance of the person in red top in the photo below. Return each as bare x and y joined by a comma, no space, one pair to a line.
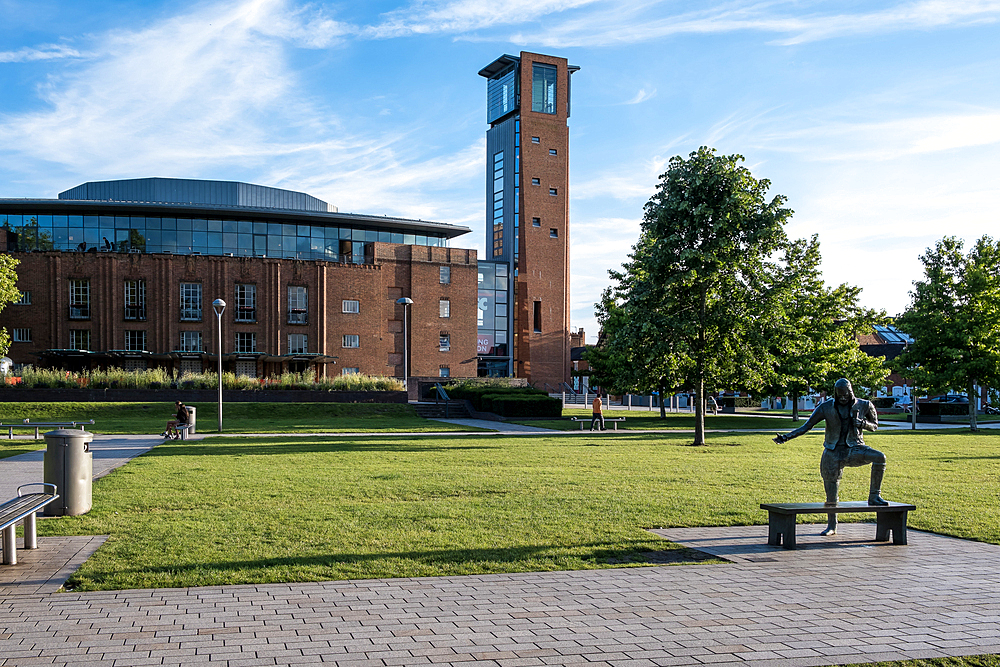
598,415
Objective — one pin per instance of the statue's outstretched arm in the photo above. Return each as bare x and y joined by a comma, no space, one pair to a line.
816,417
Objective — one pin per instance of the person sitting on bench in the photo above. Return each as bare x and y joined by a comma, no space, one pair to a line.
182,418
844,444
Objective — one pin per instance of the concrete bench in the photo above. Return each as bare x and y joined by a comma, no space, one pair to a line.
890,518
22,507
586,420
27,423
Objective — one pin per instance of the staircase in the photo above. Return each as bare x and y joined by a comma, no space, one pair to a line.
456,410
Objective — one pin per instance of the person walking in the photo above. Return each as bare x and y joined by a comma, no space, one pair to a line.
598,414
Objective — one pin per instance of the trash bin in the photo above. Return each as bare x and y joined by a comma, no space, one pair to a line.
69,464
192,419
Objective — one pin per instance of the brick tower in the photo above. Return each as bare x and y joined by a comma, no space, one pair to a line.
524,275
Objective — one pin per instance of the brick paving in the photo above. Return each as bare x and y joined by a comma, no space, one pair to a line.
832,601
836,600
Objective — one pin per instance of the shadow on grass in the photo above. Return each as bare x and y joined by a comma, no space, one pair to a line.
258,448
457,557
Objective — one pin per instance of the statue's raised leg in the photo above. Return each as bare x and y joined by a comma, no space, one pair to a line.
875,490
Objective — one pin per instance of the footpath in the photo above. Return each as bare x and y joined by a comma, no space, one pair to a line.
834,600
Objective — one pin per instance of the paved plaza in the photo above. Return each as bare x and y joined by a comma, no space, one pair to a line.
834,600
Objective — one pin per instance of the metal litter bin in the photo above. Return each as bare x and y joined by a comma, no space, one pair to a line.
69,464
192,419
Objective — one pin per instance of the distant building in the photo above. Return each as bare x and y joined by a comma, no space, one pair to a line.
524,310
124,273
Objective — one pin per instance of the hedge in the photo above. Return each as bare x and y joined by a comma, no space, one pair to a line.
476,394
508,405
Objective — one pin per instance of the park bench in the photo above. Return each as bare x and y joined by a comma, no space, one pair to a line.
22,507
27,423
585,420
890,518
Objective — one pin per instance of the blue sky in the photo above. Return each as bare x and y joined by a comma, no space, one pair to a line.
880,121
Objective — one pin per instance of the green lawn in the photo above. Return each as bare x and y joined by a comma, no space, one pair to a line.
643,420
116,418
965,661
242,510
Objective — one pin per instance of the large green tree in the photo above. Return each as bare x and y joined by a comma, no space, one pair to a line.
8,294
816,341
954,319
696,300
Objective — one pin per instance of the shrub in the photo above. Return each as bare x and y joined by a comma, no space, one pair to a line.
509,405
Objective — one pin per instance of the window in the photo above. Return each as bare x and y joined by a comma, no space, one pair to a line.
246,341
25,299
135,341
538,317
191,341
444,308
298,343
79,339
351,371
246,303
22,335
445,343
553,192
298,304
553,151
135,299
543,88
191,302
536,222
554,233
536,181
536,140
444,372
79,301
445,277
351,340
351,306
246,368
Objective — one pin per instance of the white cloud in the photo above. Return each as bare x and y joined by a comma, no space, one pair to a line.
642,96
641,21
43,52
462,16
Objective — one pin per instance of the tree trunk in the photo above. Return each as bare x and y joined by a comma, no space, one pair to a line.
699,387
699,412
795,405
972,406
663,395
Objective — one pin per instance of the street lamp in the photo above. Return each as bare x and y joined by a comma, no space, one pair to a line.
219,306
404,302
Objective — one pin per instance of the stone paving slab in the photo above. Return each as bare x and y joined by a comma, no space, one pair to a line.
846,601
46,569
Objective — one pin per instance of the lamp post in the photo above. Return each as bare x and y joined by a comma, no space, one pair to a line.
219,306
405,302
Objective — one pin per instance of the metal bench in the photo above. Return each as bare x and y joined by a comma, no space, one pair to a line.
584,420
27,423
22,507
890,518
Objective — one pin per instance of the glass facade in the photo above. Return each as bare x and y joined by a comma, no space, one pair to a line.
186,236
493,320
498,204
543,88
501,94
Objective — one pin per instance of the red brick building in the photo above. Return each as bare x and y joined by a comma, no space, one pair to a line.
124,273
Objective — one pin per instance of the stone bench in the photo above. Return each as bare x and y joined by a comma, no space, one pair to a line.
22,507
890,518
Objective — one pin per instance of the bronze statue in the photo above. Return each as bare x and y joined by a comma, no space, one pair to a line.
844,445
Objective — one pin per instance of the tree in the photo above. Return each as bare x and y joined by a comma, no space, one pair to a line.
699,294
8,293
954,319
817,340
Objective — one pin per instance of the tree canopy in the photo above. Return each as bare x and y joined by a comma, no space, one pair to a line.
700,294
8,293
954,319
817,337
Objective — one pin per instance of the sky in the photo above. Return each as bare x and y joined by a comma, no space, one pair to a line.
879,121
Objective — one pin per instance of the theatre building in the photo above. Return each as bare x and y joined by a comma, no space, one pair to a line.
124,273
